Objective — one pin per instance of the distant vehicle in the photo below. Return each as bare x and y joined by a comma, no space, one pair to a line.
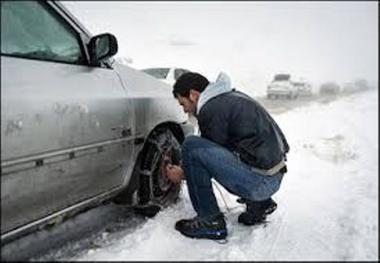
282,86
167,75
350,87
329,88
77,128
303,88
355,86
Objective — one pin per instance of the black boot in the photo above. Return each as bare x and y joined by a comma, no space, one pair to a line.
257,211
198,228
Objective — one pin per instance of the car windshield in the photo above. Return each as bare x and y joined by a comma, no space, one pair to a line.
281,77
160,73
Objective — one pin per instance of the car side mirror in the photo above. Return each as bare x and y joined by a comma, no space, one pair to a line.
101,47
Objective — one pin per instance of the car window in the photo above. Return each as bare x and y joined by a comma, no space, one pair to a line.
178,72
160,73
29,29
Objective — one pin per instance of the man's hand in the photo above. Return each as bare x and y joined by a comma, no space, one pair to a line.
174,173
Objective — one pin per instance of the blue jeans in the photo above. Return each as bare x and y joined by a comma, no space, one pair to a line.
203,160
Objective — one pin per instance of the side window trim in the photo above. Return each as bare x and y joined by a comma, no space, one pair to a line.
83,35
82,32
61,10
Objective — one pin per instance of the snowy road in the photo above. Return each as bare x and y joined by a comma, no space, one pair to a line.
328,203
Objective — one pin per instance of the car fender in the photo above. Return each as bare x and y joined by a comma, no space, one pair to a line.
153,100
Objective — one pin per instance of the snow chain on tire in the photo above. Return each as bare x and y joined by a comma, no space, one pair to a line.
155,189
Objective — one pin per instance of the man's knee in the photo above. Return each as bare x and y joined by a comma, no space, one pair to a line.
192,142
191,148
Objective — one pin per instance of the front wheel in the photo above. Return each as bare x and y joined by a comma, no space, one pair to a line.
155,189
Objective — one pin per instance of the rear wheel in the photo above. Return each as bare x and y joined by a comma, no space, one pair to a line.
155,190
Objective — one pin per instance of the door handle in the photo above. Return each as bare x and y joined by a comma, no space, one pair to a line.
117,128
125,132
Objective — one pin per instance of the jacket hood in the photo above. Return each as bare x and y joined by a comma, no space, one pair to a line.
220,86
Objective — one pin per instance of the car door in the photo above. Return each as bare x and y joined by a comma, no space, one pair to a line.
66,128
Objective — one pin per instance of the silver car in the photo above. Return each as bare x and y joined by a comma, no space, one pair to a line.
76,127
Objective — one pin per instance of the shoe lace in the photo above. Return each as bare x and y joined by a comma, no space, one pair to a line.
229,209
197,222
221,194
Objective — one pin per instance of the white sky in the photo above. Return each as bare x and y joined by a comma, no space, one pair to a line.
319,41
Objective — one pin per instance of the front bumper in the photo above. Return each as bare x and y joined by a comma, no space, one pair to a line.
279,92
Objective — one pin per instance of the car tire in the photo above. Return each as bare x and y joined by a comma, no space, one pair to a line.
155,191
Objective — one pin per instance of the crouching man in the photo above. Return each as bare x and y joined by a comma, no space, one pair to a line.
241,147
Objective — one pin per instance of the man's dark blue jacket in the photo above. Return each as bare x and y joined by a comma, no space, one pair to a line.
236,121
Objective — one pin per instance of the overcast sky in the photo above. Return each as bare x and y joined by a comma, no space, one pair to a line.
319,41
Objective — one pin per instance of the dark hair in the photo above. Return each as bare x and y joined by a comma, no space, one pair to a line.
188,81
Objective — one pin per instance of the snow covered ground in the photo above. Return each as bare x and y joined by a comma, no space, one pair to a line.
328,203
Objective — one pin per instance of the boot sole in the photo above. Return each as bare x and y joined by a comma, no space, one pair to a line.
222,235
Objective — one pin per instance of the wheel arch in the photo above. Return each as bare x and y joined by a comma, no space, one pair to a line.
174,127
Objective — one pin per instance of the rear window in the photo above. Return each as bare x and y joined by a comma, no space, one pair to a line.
282,77
299,84
160,73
